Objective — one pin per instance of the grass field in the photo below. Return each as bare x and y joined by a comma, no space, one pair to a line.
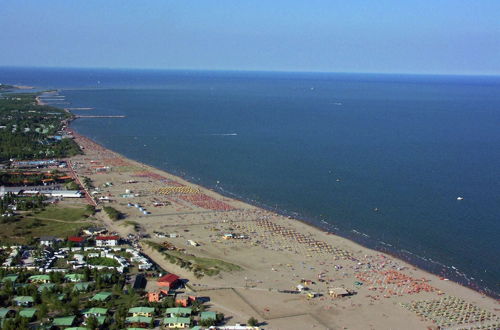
63,213
28,229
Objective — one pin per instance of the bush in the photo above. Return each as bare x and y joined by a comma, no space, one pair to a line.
113,213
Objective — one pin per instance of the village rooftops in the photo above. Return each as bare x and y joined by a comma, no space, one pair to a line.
208,316
74,277
176,321
139,319
39,278
101,296
4,312
95,311
179,311
108,238
76,239
10,277
141,310
65,321
27,312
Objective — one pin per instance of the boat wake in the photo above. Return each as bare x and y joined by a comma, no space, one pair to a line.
224,134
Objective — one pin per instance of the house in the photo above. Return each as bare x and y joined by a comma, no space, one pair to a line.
176,322
65,321
156,296
170,281
141,311
39,279
139,321
47,240
25,301
83,286
77,240
74,277
28,313
184,300
208,316
107,240
179,311
101,296
10,277
338,292
94,311
5,312
46,286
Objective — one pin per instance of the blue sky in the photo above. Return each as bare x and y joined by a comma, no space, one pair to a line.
404,36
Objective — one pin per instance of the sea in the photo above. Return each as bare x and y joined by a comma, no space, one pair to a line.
406,164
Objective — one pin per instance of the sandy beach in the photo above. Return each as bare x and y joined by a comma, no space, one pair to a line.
275,254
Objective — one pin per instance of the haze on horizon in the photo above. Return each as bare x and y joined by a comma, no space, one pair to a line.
387,36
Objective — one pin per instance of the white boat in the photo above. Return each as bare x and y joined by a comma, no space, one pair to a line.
460,198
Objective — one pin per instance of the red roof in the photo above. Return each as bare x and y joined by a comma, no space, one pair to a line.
107,238
170,279
76,239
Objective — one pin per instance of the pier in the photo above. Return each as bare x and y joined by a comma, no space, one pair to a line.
104,116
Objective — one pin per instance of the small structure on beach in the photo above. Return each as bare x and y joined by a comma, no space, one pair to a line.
338,292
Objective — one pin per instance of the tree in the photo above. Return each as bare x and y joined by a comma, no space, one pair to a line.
253,322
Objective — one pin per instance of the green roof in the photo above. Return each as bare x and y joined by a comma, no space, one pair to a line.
179,311
82,286
138,319
168,320
208,315
95,310
141,310
101,296
4,312
74,277
24,299
43,277
27,312
10,277
46,286
64,321
195,328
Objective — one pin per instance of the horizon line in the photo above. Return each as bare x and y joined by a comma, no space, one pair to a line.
250,70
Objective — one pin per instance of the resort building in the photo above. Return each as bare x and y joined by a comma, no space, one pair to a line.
141,311
107,240
170,281
176,322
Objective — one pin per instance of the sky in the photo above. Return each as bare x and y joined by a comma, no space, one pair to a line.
383,36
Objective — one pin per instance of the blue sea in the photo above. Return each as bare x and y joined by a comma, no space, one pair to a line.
380,159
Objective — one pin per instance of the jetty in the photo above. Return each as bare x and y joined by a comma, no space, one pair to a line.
104,116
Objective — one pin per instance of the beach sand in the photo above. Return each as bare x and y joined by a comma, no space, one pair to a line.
277,254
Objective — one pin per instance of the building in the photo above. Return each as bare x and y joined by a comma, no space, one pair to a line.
170,281
179,312
77,240
74,277
39,279
47,240
208,316
156,296
25,301
338,292
176,322
141,311
107,240
101,296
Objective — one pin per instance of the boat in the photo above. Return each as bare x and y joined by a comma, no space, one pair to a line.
460,198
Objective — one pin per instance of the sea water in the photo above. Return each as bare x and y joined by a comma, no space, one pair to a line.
380,159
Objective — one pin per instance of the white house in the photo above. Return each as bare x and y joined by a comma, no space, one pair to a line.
107,240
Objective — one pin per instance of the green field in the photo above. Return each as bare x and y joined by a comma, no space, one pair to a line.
63,213
29,229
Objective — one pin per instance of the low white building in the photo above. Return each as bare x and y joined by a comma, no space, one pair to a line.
107,240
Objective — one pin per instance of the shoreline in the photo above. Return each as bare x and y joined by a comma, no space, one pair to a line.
355,237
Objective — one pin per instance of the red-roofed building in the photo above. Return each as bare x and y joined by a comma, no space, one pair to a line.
107,240
76,239
170,281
